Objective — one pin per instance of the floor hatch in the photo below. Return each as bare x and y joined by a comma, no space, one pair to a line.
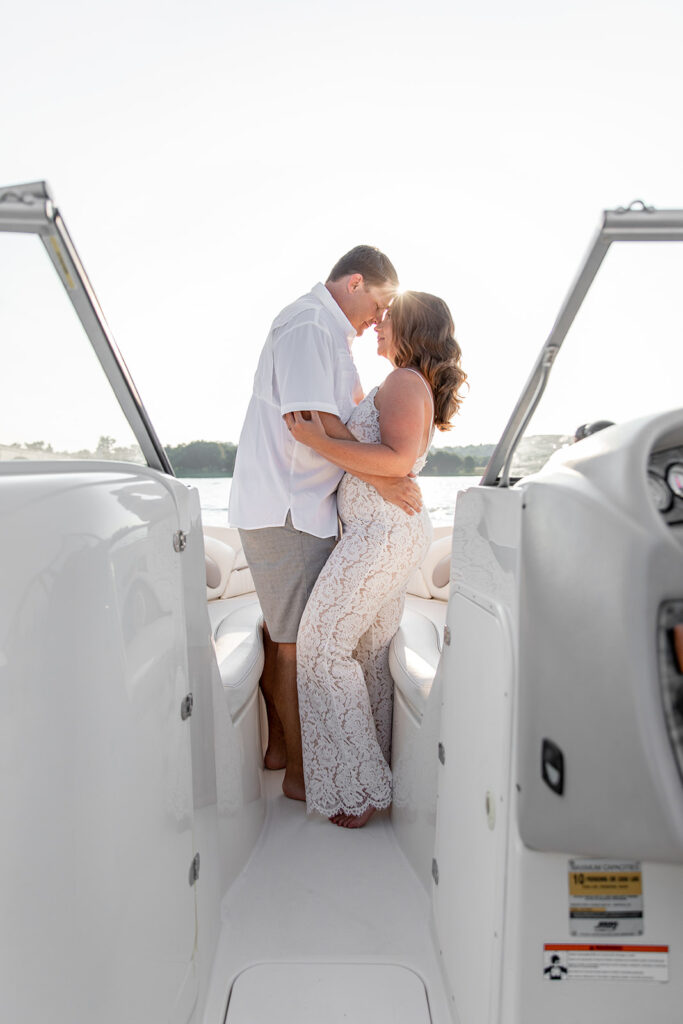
324,993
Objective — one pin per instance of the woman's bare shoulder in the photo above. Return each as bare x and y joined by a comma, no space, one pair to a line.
401,384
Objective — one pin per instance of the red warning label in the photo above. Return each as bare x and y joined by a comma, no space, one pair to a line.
564,961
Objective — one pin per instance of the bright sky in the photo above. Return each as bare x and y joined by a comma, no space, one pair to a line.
212,161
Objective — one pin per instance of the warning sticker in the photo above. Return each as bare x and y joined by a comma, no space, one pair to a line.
567,962
605,897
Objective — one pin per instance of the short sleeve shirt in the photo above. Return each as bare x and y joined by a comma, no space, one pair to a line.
306,363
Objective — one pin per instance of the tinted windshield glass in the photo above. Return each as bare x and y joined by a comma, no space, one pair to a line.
623,356
55,401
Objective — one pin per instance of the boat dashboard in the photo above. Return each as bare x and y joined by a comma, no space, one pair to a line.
665,483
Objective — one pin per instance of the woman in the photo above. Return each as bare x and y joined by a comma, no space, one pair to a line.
345,688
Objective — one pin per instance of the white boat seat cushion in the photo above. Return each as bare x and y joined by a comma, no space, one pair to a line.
431,579
223,547
219,560
239,651
436,567
240,582
442,573
413,658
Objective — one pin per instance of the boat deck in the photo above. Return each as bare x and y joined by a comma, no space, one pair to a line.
326,924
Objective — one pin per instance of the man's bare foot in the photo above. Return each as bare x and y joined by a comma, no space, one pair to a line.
275,756
293,786
353,820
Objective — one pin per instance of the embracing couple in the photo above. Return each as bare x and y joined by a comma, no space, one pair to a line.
314,451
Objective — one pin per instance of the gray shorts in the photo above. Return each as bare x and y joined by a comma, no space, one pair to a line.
285,563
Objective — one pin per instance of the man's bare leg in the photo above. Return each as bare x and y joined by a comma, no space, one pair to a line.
276,751
287,707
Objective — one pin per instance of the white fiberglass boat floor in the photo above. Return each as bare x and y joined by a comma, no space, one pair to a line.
326,924
316,993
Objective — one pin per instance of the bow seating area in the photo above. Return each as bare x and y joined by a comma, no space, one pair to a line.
236,621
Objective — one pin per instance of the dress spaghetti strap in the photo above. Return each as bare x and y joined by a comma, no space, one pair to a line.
429,390
431,399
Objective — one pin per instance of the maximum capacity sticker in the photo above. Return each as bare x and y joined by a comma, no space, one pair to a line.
605,897
576,962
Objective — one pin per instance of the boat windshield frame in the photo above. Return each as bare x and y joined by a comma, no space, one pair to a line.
30,209
635,223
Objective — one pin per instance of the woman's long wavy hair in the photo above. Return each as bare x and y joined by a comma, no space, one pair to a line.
423,336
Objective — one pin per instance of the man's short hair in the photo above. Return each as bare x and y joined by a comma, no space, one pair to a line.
376,268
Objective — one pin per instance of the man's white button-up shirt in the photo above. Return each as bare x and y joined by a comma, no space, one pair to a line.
306,363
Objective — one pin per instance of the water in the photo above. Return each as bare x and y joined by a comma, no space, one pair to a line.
439,493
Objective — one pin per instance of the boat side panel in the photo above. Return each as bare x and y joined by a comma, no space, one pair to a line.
478,679
227,759
96,781
537,913
413,811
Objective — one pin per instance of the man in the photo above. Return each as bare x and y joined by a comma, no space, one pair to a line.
283,496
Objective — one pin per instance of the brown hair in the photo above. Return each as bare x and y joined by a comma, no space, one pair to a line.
376,268
423,336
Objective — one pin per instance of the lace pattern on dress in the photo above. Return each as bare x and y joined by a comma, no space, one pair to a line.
345,687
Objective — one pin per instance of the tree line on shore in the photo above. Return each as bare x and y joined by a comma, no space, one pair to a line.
217,458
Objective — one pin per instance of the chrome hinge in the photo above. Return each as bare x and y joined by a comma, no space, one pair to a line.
179,541
194,869
442,753
447,636
186,706
435,871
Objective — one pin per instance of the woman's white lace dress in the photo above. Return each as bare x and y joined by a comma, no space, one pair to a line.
345,687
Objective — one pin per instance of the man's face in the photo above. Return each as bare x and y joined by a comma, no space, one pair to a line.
366,303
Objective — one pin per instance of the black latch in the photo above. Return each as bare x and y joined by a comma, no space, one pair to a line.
194,869
435,871
552,766
442,753
186,706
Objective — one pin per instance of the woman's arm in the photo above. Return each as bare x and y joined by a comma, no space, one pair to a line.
401,491
402,414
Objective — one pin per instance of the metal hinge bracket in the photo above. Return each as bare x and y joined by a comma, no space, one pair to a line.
179,541
447,635
435,871
186,706
194,869
442,753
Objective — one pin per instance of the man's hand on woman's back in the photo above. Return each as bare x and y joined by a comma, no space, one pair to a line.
399,490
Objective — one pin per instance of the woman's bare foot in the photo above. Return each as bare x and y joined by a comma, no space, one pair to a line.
353,820
293,786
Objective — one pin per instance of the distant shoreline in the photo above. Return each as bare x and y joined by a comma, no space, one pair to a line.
207,475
